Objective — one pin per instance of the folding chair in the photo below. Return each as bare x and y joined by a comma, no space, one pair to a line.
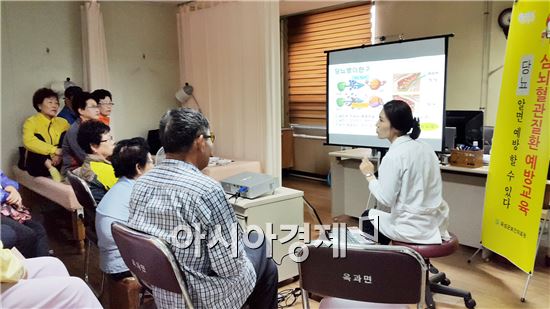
85,198
150,261
371,276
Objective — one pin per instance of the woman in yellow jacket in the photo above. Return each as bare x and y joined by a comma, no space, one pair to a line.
43,134
40,283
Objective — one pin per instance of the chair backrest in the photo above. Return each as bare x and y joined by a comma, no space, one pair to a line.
150,260
373,273
85,198
82,191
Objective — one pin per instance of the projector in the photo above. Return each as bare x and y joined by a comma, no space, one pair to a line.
249,185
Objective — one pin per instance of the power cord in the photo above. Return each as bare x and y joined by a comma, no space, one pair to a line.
287,298
236,195
281,263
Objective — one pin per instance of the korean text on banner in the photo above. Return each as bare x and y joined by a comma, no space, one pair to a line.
520,153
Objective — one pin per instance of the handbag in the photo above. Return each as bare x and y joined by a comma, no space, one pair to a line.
18,213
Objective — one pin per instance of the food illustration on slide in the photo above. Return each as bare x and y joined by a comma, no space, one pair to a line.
374,84
352,84
407,82
376,101
409,99
353,93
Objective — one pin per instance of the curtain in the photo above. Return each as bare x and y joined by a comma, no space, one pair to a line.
230,54
94,49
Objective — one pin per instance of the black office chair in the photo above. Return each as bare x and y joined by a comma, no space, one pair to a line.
150,261
85,198
439,283
372,276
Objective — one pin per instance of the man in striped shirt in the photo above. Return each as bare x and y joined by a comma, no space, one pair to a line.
178,204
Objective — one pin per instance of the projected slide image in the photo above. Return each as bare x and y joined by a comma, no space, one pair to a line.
361,80
359,90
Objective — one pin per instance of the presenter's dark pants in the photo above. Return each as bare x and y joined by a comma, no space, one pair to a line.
264,295
368,227
31,238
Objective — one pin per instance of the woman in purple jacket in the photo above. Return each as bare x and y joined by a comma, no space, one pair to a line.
28,236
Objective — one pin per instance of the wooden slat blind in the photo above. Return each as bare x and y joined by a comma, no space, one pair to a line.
309,36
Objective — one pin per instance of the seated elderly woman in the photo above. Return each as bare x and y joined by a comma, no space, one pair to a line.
104,100
17,228
130,160
40,283
43,134
95,139
86,109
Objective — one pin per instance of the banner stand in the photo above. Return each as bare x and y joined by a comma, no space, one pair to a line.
544,224
485,253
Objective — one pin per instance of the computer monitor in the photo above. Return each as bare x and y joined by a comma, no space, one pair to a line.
487,139
469,126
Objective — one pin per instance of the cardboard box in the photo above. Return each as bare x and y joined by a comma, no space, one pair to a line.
466,158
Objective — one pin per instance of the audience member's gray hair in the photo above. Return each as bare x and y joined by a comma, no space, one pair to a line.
179,127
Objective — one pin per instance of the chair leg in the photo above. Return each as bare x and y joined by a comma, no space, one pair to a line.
101,289
87,261
441,289
430,304
469,302
438,278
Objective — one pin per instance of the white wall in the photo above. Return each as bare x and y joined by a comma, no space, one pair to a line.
143,89
28,29
466,20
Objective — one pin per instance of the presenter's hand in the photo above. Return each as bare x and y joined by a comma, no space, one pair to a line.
366,167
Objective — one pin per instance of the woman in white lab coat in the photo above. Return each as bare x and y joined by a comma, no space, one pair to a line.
409,183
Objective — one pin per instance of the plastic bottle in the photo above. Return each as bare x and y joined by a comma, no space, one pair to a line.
475,145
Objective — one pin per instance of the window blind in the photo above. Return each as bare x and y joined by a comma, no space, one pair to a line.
309,36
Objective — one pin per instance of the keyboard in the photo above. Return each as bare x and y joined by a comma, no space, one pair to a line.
354,237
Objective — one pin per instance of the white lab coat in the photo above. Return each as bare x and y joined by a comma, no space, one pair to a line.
409,183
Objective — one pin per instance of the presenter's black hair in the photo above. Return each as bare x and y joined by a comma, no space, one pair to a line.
400,116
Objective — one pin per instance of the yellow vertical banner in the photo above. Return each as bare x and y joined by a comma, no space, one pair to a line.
520,154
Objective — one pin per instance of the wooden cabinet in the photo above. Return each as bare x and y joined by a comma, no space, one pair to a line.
287,147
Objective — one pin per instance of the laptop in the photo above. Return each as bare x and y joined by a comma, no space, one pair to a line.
352,236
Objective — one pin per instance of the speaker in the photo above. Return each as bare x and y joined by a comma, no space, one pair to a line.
450,135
